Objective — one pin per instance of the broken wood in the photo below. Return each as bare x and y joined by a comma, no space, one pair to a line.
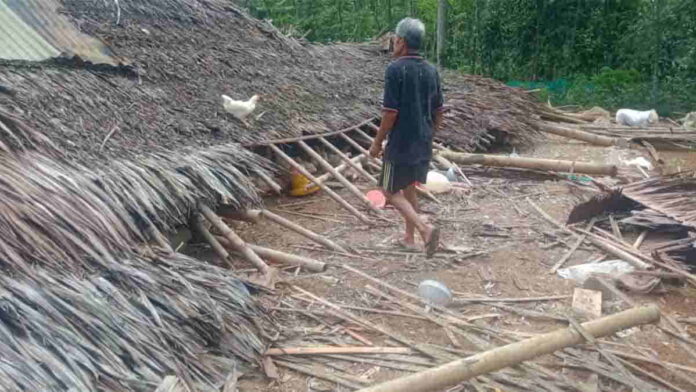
574,248
615,250
319,373
319,239
336,350
587,302
345,314
325,188
327,166
279,257
576,134
530,163
235,239
512,354
523,299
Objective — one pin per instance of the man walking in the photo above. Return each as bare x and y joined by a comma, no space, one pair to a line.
410,115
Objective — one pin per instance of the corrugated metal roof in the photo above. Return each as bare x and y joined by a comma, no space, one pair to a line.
34,30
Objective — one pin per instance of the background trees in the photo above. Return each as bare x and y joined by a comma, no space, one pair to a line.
593,52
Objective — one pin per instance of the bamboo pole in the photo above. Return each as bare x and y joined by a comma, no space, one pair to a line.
197,224
230,212
349,161
301,230
337,350
270,182
236,241
340,168
580,135
366,153
310,137
327,166
512,354
531,163
279,257
326,189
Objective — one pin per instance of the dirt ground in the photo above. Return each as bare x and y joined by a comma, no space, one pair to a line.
501,248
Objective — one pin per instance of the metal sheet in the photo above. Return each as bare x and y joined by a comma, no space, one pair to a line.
35,30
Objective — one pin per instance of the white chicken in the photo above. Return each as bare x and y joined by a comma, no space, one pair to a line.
239,109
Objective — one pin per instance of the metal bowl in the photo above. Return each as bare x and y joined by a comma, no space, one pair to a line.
435,292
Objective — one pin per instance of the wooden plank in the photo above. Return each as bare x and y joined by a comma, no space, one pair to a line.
587,302
337,350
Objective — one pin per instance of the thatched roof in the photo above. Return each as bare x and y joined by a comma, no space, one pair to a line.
185,54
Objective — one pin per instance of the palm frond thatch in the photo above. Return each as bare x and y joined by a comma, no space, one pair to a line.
125,326
674,196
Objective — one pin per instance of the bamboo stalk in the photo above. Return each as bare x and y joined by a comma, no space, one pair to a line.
326,189
280,257
236,241
321,240
327,166
337,350
530,163
230,212
198,225
270,182
349,161
310,137
512,354
579,135
340,168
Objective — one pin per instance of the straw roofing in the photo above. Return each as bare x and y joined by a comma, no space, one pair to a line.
185,54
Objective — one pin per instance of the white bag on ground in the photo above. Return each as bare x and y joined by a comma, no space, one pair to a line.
580,273
437,183
635,118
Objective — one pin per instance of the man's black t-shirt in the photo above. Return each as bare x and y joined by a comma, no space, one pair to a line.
411,88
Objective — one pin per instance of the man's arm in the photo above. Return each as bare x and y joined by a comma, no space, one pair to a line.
438,120
386,125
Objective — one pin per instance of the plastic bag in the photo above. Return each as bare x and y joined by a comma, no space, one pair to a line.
580,273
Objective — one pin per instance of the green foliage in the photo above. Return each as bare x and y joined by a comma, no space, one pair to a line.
608,52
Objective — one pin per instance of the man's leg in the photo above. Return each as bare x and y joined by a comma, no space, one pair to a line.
412,197
411,217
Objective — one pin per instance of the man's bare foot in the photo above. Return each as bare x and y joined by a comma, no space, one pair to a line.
408,243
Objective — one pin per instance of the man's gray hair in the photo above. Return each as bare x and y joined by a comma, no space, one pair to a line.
412,30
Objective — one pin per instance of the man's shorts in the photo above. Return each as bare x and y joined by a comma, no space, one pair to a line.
397,176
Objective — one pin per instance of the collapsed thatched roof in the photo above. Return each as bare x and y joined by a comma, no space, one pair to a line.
481,109
185,54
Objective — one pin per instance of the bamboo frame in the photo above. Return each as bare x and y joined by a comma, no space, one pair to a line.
349,185
340,168
349,161
310,137
325,188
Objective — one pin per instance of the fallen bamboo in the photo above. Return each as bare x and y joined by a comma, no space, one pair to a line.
321,240
363,151
340,168
200,228
615,250
512,354
337,350
530,163
230,212
327,166
352,162
580,135
234,239
572,250
325,188
269,181
280,257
